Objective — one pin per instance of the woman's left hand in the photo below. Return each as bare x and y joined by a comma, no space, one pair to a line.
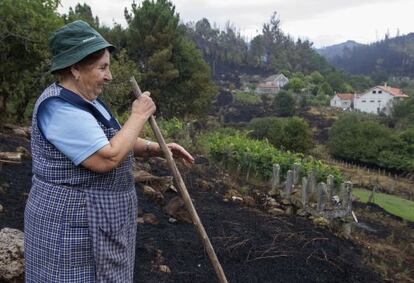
179,152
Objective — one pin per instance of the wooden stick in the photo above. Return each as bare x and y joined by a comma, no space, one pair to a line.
10,161
184,192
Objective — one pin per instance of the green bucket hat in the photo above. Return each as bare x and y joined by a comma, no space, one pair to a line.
73,42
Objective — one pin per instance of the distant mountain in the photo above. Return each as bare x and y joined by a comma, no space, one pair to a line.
332,51
380,60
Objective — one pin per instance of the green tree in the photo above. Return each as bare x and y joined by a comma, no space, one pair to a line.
256,52
298,135
291,134
336,80
171,67
316,77
355,137
117,35
284,104
118,92
403,113
325,89
81,12
296,85
24,70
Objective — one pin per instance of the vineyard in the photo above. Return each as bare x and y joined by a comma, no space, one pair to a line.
243,155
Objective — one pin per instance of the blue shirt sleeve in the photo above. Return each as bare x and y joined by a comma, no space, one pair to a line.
73,131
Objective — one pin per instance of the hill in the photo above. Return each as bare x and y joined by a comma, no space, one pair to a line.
390,57
330,52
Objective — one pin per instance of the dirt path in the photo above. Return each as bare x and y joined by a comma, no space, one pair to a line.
252,246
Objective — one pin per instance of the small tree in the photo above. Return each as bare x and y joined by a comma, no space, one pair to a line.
284,104
316,77
296,85
291,134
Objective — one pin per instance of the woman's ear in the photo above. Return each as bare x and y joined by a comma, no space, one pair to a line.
74,69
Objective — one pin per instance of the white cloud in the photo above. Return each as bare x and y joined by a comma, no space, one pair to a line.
324,22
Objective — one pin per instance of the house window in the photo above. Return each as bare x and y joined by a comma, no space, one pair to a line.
379,101
374,91
372,101
380,91
364,101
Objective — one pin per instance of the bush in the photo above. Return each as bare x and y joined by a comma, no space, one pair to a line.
403,113
358,138
245,98
285,133
284,104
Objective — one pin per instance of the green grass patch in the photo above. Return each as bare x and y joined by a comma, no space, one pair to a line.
246,98
393,204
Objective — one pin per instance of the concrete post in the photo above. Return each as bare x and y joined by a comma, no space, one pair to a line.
312,186
321,197
289,185
296,173
348,197
329,189
304,192
275,176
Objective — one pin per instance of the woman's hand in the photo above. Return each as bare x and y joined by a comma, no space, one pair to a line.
111,155
178,151
143,106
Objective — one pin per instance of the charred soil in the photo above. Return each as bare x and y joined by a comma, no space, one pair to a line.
251,246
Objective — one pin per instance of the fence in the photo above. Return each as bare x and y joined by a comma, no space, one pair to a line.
322,199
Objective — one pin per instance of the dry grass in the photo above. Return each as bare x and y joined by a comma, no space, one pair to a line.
324,112
391,250
368,179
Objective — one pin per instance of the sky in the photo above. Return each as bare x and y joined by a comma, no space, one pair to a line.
323,22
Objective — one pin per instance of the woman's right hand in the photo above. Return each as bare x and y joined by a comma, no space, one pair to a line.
111,155
143,106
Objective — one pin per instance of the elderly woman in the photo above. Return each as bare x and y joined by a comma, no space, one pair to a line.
80,218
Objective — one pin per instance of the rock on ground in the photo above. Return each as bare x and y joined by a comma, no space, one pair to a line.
11,254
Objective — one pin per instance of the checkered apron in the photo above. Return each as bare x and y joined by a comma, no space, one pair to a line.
80,226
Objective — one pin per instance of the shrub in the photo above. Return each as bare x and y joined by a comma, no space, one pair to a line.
363,139
285,133
284,104
246,98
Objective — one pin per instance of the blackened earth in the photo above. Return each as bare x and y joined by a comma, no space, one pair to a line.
251,246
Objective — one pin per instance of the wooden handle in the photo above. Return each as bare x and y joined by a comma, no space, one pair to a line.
184,192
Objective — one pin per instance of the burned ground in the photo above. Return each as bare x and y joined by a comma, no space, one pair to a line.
251,246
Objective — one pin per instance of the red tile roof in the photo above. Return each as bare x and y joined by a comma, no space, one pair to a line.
345,96
393,91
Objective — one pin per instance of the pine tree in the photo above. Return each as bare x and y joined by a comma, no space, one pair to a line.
172,69
24,30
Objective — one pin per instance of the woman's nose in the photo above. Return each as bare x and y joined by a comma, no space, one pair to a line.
108,76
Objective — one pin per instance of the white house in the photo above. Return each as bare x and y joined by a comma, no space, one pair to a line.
343,100
378,99
272,84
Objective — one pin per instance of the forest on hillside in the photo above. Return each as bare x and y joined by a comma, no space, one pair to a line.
248,146
389,57
176,60
183,64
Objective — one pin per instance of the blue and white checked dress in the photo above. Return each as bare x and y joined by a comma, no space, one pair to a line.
80,226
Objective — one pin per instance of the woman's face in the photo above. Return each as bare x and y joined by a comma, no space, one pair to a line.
93,76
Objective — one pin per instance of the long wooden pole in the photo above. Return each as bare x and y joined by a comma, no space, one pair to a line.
184,192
